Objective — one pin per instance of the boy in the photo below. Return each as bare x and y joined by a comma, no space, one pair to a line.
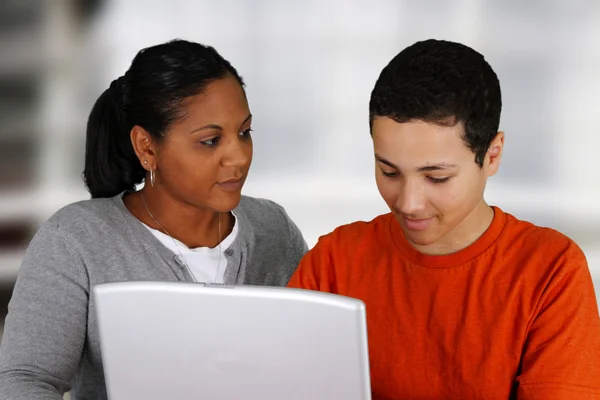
463,300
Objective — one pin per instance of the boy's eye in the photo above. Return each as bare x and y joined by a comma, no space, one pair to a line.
389,174
438,180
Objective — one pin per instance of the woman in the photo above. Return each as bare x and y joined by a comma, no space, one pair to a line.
179,121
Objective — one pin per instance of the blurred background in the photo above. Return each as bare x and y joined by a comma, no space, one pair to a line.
309,66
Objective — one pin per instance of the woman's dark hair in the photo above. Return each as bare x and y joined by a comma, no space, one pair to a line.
151,94
445,83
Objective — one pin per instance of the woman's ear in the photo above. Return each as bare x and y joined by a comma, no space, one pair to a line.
144,146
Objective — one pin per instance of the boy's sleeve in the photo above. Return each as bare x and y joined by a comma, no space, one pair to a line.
314,270
561,358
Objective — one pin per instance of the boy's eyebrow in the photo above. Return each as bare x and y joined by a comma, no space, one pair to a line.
426,168
436,167
384,161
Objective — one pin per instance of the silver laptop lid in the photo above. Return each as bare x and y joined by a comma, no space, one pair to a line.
163,340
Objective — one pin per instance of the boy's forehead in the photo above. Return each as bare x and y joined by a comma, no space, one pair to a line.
416,132
418,142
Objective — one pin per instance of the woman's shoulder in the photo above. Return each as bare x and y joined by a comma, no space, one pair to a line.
278,243
267,218
92,212
260,209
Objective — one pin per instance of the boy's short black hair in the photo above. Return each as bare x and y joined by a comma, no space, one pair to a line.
444,83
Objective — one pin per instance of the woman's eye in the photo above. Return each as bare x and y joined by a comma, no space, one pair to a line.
246,133
212,142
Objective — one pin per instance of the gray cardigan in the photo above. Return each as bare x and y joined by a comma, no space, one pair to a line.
50,343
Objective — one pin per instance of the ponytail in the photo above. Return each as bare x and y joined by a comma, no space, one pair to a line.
111,165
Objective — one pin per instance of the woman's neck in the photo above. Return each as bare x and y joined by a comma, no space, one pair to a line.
191,225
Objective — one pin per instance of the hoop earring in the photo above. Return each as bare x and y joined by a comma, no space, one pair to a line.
152,177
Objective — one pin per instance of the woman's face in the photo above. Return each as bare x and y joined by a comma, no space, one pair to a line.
205,157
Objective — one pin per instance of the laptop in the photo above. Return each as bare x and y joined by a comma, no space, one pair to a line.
163,340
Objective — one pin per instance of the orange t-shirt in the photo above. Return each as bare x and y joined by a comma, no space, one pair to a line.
514,314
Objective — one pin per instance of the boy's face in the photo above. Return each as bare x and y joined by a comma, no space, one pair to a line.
431,182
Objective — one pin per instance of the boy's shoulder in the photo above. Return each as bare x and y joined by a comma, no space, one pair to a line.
358,232
536,239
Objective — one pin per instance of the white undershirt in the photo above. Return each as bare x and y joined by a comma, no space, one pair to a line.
202,261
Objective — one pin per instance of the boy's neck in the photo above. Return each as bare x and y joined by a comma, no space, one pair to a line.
463,235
